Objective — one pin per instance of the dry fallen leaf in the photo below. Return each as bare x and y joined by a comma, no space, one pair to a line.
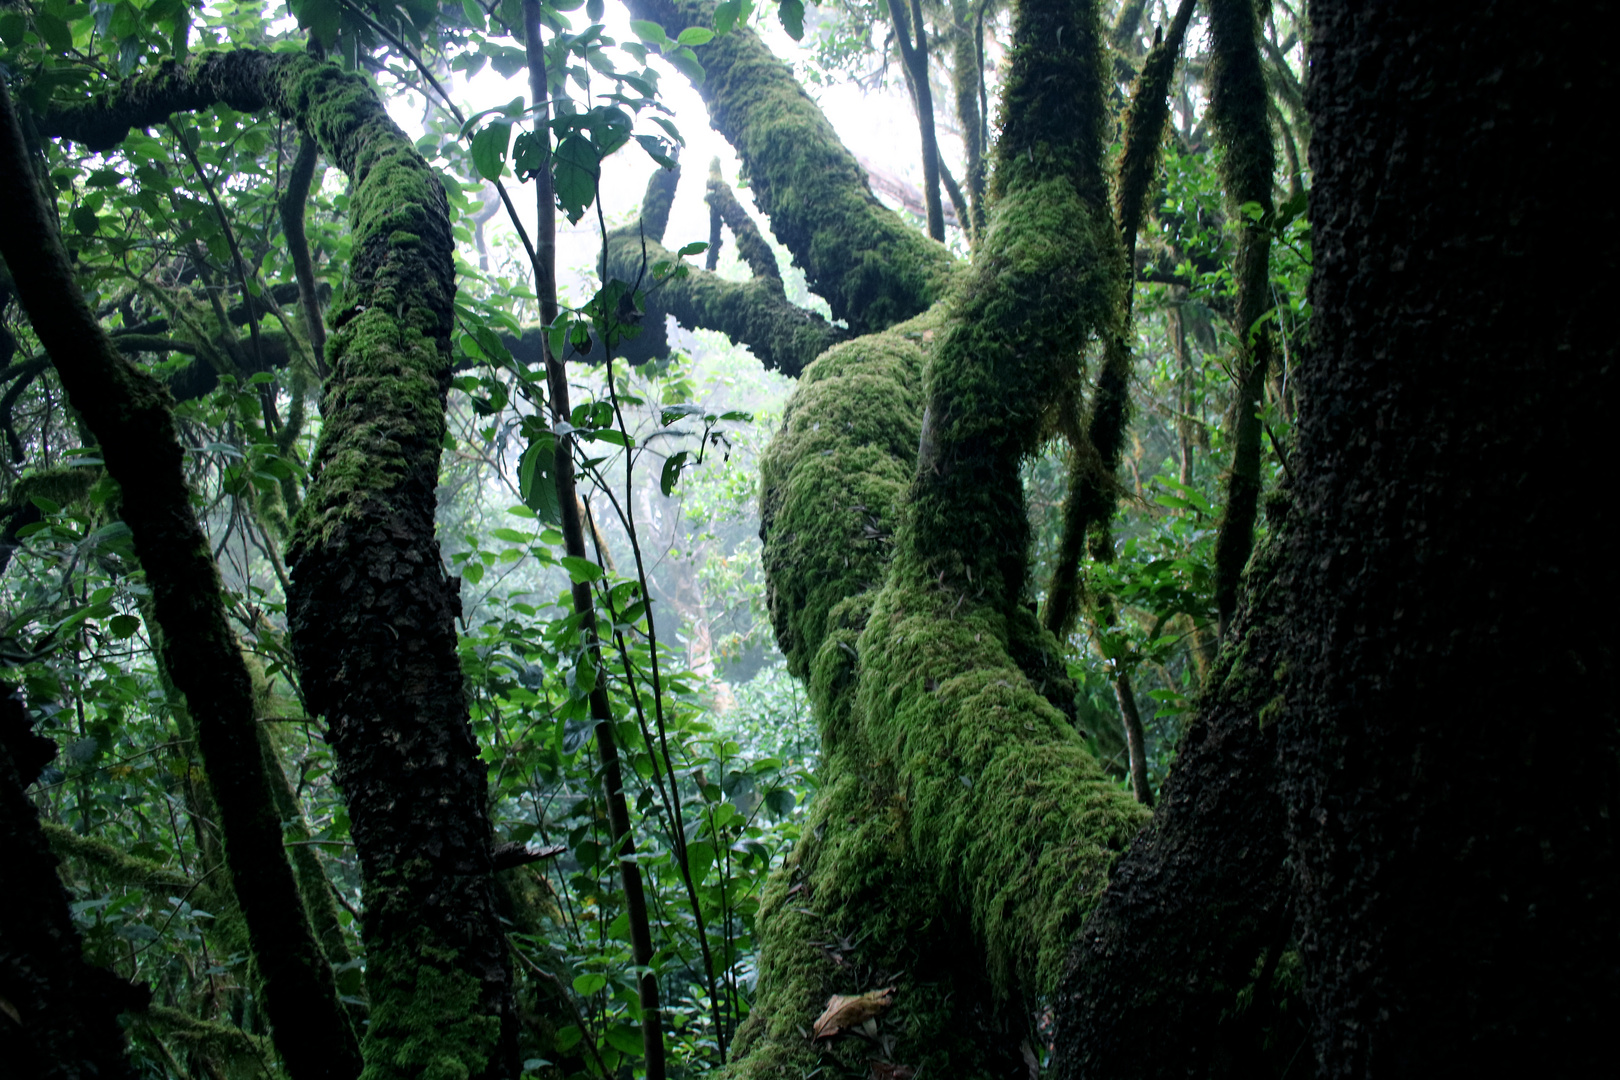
844,1011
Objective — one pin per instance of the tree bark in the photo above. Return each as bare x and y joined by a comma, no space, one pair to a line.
1450,772
1450,860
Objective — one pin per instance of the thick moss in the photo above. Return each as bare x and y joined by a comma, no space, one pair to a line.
428,1019
963,830
835,476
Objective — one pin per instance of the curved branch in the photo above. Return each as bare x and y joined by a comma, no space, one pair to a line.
751,246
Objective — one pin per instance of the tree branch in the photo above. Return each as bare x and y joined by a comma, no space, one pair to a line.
869,265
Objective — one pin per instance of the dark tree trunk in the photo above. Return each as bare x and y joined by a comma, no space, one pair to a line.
1448,744
58,1015
1412,678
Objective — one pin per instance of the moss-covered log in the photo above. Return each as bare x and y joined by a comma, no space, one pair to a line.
372,612
871,267
129,413
963,830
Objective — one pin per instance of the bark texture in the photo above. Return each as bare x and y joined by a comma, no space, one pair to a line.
1450,774
1444,789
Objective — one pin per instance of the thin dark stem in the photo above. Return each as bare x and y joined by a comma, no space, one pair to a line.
914,56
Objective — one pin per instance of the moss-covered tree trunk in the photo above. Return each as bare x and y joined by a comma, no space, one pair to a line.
962,830
129,413
372,610
1411,707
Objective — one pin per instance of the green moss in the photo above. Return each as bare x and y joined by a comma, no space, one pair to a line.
428,1021
835,476
117,865
872,268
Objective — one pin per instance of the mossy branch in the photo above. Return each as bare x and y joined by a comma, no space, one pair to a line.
1239,105
784,336
1095,454
871,267
117,865
751,246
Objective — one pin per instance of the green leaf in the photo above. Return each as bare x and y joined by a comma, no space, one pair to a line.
489,149
474,14
536,480
581,570
528,154
650,32
791,12
511,536
672,472
780,801
123,626
321,18
695,35
696,247
13,28
574,167
588,984
725,16
85,220
685,61
625,1039
54,31
699,857
593,10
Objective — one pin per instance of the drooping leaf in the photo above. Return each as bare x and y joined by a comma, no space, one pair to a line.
574,169
791,12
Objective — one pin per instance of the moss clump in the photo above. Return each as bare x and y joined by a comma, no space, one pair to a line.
428,1019
835,476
